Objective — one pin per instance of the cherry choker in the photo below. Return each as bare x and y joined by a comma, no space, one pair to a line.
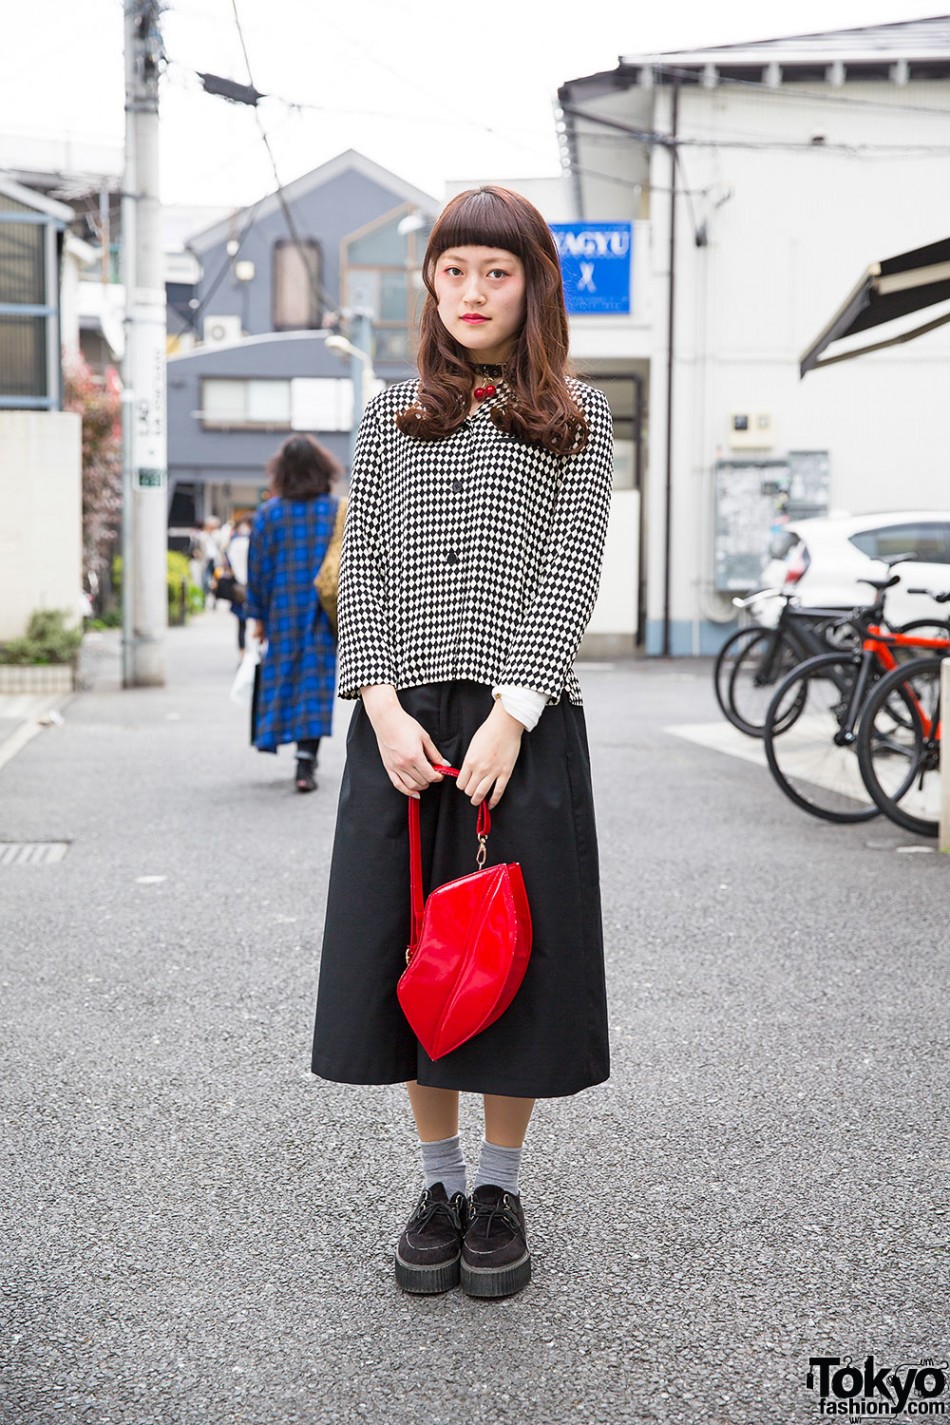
488,387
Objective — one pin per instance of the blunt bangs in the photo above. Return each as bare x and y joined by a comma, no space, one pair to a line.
480,219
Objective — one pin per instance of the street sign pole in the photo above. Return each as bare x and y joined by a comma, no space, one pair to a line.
362,328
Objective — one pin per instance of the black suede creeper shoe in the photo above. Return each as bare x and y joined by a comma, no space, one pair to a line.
495,1256
430,1249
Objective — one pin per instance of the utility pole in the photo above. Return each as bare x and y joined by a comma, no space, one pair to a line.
144,473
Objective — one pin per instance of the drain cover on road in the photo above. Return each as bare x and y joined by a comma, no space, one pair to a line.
32,853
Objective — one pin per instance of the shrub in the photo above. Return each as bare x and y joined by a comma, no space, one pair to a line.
184,597
177,578
47,640
98,403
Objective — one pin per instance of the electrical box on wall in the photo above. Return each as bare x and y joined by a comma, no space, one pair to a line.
751,430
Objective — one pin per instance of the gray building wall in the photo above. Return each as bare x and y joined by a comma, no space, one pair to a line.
326,214
328,206
197,455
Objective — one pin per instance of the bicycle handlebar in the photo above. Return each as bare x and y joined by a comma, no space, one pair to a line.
938,598
754,598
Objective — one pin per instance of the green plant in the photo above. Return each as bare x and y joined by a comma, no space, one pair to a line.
184,596
111,619
47,640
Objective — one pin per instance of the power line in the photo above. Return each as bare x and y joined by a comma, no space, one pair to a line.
408,83
323,298
195,316
247,94
445,121
659,138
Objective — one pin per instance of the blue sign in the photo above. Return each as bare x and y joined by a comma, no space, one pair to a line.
595,264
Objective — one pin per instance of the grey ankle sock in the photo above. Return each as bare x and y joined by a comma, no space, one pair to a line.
442,1162
498,1167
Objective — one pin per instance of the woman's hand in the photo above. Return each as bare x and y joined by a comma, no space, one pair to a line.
257,630
491,757
407,750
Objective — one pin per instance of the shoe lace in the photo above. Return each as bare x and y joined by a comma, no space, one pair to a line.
487,1212
429,1208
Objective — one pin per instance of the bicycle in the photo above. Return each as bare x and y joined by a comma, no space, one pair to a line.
811,726
754,660
900,759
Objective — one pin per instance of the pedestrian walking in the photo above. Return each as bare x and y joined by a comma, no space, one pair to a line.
236,557
471,557
290,535
210,547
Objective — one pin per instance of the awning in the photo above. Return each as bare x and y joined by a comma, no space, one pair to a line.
888,290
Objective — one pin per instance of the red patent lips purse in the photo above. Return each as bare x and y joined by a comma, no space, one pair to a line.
469,945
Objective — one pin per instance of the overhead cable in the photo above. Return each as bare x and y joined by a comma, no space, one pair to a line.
322,297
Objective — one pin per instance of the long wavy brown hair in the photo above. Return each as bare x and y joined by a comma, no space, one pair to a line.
539,407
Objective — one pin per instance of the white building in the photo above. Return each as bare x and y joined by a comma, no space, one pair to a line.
761,181
40,444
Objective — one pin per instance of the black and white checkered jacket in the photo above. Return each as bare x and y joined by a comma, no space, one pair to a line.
476,557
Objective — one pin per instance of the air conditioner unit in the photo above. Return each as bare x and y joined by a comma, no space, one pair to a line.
221,330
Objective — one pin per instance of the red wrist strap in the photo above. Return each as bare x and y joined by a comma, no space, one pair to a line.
416,895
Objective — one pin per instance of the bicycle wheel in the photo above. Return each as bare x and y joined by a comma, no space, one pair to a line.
899,745
726,658
749,668
926,628
810,752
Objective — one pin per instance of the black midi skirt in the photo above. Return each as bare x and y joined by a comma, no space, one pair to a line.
552,1040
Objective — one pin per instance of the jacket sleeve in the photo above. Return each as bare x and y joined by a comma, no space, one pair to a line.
365,648
542,651
259,569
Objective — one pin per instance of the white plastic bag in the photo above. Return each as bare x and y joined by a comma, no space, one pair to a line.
242,689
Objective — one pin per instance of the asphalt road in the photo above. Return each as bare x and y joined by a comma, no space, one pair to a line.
193,1231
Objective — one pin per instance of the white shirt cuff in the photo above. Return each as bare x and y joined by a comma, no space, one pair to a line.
522,703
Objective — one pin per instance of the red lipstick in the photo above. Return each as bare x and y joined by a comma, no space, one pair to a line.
474,318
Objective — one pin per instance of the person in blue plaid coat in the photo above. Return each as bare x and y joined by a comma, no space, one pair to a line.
289,539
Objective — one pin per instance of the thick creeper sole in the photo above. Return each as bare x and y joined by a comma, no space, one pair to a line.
496,1281
427,1281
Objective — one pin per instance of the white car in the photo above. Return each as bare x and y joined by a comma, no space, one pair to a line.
823,560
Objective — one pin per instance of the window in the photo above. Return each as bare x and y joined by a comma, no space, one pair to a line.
297,283
311,403
321,403
22,263
382,272
781,544
228,402
23,357
928,543
28,317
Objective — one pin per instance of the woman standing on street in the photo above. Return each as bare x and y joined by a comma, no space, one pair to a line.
471,558
289,538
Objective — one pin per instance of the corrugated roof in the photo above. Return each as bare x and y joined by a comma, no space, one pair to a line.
907,39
